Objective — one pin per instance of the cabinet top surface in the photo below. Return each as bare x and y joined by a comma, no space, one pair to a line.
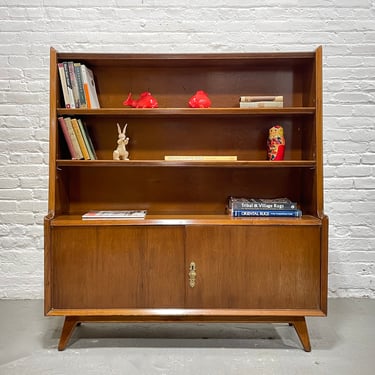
183,58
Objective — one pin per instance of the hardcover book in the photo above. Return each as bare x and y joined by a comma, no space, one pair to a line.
265,213
261,204
113,215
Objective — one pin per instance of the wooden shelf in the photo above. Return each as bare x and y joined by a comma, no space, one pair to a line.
179,163
160,112
174,219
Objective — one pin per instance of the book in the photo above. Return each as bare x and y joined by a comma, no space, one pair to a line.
201,157
265,104
80,139
114,215
89,87
81,92
67,137
240,203
87,139
69,85
259,98
73,137
265,213
64,86
74,84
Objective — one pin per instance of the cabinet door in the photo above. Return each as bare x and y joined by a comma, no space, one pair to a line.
118,267
254,267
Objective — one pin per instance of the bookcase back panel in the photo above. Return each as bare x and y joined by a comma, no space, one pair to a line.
174,189
174,87
153,139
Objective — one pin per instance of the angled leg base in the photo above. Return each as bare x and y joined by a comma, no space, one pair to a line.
298,322
69,324
300,326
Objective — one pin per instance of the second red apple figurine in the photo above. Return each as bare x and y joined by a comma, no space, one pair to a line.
200,100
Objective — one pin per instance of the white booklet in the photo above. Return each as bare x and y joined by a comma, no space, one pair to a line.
112,215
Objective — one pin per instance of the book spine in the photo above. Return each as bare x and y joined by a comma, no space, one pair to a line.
81,91
266,213
90,141
63,84
73,81
265,98
86,85
261,104
86,138
69,84
92,89
67,137
80,139
201,157
262,206
73,137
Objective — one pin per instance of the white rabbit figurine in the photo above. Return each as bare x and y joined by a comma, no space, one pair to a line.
121,153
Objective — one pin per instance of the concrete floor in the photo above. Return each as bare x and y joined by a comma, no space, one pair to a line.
342,343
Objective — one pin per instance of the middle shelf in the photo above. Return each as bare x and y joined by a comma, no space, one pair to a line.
191,163
153,112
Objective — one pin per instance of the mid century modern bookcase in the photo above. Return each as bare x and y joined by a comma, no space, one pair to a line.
245,270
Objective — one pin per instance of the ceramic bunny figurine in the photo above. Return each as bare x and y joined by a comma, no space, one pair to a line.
121,153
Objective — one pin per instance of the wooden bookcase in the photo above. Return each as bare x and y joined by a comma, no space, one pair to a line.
247,270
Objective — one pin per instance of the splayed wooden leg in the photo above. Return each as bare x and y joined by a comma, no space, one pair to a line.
300,326
67,330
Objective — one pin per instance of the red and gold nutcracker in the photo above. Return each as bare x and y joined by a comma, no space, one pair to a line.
276,143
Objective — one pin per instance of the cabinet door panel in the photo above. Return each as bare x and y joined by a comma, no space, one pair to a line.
262,267
118,267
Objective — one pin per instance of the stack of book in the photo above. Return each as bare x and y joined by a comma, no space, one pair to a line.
77,138
255,207
261,101
78,85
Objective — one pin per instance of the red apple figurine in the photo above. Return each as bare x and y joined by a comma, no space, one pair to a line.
200,100
146,100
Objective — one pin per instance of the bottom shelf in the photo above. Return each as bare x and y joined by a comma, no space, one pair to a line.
185,219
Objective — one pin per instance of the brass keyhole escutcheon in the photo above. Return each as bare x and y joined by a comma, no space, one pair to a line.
192,274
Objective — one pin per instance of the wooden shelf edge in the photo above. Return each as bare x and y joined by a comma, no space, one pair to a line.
187,111
187,163
173,314
175,219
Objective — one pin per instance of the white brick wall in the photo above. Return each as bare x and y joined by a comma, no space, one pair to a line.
345,28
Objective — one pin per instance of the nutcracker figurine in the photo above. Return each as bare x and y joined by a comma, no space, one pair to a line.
276,143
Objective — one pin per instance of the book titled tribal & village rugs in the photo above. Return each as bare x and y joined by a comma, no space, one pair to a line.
260,207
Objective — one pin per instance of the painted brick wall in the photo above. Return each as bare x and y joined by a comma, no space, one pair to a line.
345,28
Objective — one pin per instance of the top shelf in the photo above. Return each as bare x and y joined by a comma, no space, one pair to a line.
192,59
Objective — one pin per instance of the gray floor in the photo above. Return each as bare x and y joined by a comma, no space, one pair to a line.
342,343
